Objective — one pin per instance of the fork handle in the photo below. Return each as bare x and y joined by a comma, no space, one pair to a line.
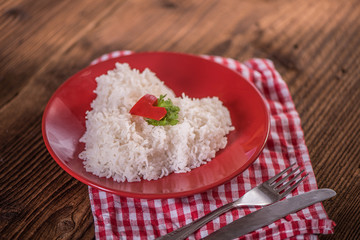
183,232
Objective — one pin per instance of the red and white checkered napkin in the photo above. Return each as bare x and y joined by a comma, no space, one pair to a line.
118,217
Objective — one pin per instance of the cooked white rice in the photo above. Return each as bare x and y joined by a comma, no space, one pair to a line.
125,147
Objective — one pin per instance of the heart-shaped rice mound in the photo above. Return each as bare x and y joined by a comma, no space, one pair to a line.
125,147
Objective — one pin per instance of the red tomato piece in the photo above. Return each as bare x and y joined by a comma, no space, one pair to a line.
146,107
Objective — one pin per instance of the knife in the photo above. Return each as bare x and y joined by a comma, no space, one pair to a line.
270,214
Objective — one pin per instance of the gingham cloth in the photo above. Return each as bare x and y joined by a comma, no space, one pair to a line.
117,217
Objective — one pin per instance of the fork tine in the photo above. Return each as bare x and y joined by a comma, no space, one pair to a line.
273,179
285,178
283,187
293,186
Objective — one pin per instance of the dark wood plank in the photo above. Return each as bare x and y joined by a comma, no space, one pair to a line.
22,62
313,44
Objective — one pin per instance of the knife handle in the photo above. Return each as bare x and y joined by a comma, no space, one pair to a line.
185,231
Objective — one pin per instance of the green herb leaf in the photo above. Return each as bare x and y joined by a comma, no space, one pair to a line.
172,111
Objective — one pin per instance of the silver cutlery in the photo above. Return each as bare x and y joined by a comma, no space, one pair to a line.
270,214
266,193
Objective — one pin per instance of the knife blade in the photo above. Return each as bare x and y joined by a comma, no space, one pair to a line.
270,214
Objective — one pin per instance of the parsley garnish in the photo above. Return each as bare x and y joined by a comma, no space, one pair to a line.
171,117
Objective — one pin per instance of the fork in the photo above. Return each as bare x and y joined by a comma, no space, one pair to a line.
264,194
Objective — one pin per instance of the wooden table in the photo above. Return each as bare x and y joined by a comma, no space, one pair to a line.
314,44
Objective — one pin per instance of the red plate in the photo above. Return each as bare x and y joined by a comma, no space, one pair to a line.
64,122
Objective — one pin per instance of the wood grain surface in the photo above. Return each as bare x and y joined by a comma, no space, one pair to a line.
314,44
